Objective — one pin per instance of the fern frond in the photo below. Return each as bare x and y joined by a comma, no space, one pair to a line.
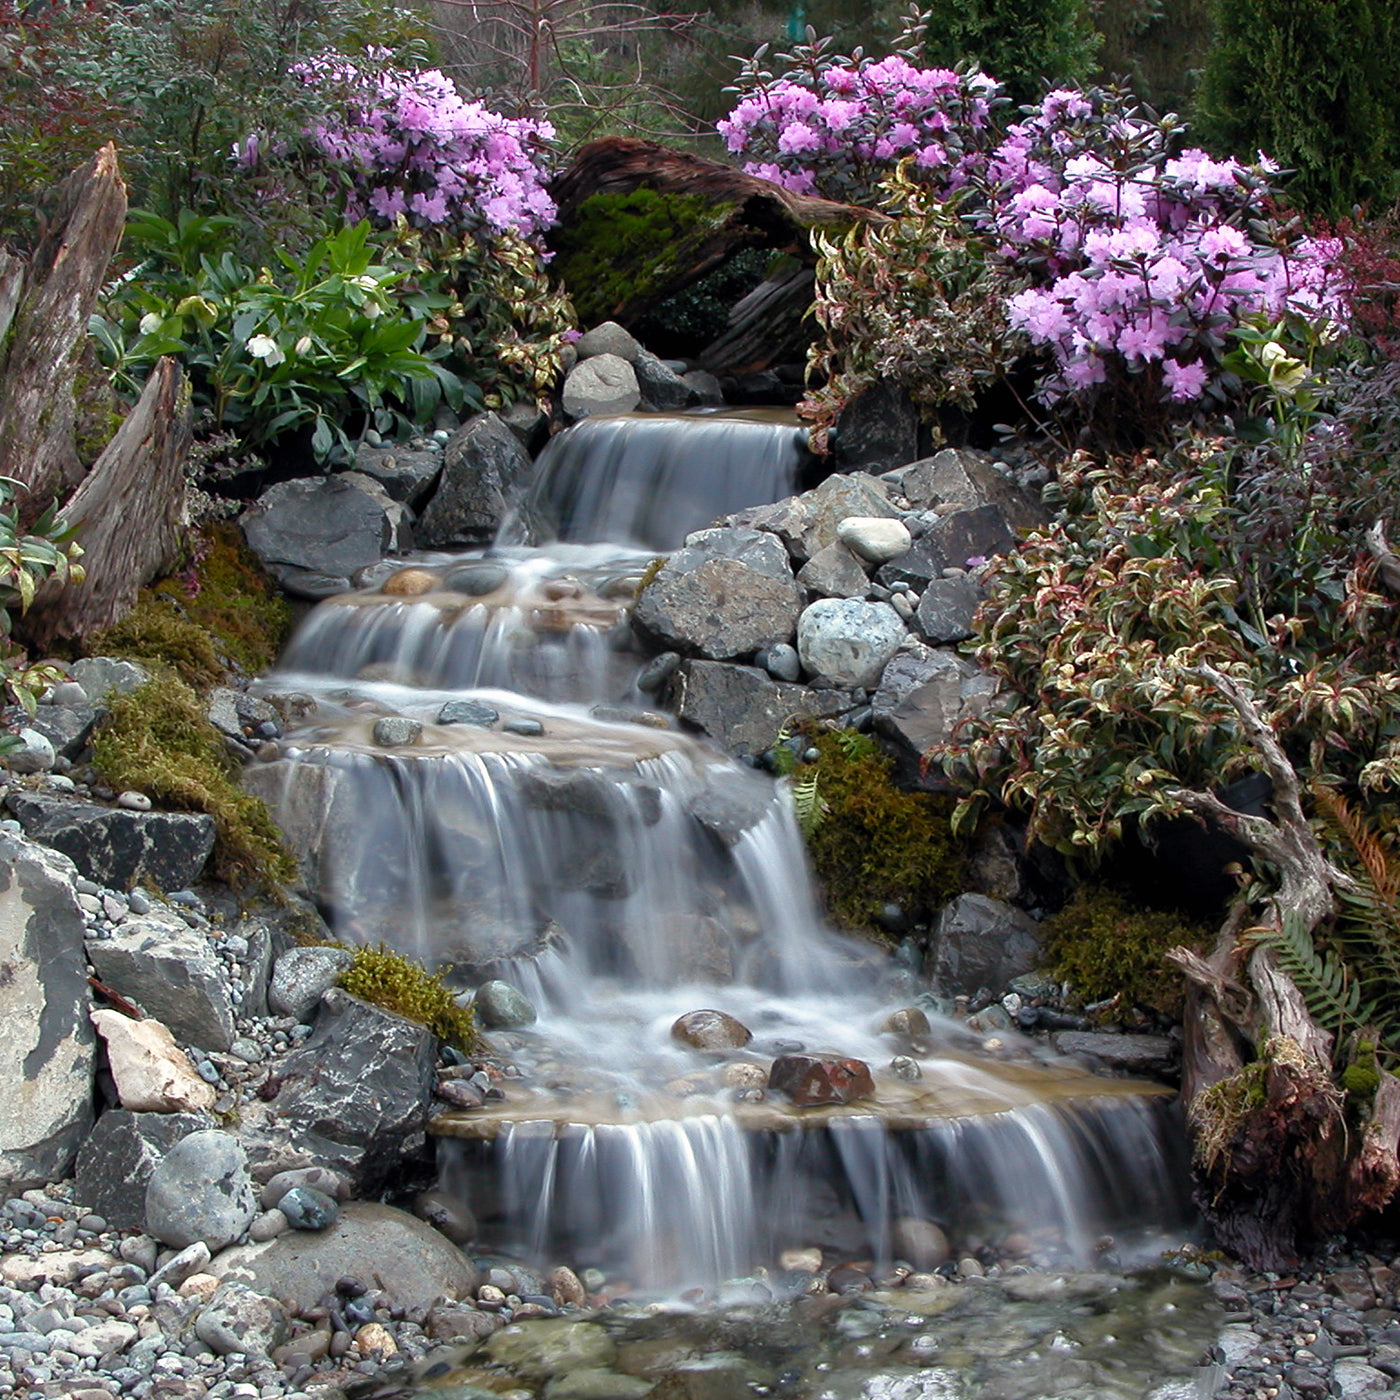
1382,870
808,805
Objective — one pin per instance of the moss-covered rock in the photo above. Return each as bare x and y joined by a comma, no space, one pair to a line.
157,740
1106,945
871,844
398,984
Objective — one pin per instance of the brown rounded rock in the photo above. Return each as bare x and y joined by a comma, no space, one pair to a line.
907,1021
710,1030
921,1242
409,583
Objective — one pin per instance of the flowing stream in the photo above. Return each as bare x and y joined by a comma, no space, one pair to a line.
546,828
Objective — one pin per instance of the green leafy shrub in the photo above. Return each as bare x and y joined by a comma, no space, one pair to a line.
622,250
398,984
157,740
1106,944
1023,43
317,345
1312,83
917,301
870,843
45,553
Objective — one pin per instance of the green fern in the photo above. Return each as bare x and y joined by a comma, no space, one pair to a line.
807,802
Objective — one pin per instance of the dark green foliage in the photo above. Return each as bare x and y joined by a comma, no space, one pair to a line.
1105,944
408,989
1157,46
870,843
157,740
620,249
1022,43
1312,83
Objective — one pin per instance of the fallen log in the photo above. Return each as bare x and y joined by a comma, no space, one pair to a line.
721,211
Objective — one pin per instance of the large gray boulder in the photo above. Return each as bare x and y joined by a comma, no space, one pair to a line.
406,473
953,541
848,641
46,1053
878,429
355,1097
302,976
947,608
409,1261
313,534
114,1165
925,692
834,572
608,338
200,1191
726,593
661,387
965,478
980,944
742,709
117,848
603,385
167,967
807,524
485,472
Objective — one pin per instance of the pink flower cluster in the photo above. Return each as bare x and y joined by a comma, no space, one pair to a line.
838,129
1143,260
1144,257
412,146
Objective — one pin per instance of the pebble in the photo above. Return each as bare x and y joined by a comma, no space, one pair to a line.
134,801
526,728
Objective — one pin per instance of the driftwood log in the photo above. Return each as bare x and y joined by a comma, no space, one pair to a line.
128,505
1279,1164
44,308
762,215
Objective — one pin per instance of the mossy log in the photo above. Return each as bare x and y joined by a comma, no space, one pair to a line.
750,213
1280,1164
44,308
128,515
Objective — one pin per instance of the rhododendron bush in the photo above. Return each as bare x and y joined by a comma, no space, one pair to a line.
407,144
1142,257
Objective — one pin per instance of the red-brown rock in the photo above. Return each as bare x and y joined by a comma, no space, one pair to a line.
817,1079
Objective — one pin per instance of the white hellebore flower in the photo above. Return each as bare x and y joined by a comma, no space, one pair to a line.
302,346
150,323
264,348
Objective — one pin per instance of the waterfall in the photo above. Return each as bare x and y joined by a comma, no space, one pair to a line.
544,828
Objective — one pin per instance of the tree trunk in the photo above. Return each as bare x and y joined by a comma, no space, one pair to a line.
128,514
48,304
1278,1164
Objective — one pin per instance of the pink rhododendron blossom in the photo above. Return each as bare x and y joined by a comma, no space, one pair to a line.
414,147
1184,381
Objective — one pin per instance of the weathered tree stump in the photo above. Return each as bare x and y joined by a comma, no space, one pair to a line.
127,512
44,309
128,506
1280,1165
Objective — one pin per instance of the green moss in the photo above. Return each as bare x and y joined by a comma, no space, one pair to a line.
408,989
1105,944
1361,1081
157,740
221,614
1219,1111
872,844
619,250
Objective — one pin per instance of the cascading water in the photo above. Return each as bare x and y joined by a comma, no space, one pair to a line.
650,479
540,826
